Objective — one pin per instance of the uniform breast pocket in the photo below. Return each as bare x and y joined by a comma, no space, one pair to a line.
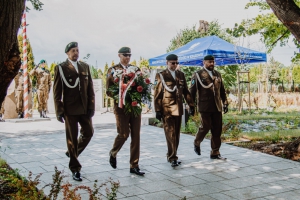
85,76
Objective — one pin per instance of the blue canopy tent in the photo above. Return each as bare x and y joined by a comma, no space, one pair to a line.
225,53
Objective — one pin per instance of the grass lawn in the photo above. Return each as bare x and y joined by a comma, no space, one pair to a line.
260,116
272,135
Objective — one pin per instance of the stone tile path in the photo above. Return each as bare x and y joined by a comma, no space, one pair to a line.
245,175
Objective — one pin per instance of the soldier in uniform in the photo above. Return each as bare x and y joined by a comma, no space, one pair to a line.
74,101
211,96
170,88
19,90
43,86
2,111
126,124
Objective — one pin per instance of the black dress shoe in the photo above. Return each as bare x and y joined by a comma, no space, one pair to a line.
174,163
197,150
217,157
67,154
136,171
76,176
113,161
178,162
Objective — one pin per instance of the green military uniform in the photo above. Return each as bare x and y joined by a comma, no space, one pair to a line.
43,87
211,96
169,102
126,124
19,90
74,97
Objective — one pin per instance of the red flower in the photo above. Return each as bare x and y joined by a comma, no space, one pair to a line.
133,84
116,80
147,80
139,88
131,75
124,87
134,103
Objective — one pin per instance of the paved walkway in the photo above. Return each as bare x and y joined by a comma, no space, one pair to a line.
39,146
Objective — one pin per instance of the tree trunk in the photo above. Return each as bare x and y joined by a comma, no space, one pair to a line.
10,20
288,13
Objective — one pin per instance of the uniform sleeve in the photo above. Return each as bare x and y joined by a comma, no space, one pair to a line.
91,93
49,82
158,94
223,92
109,81
33,72
57,92
193,87
186,93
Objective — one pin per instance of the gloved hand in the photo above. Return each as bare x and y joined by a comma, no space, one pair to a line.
225,108
60,118
158,115
90,113
192,110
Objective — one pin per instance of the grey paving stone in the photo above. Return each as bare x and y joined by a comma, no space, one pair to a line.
202,197
209,177
202,189
162,195
131,191
187,180
158,186
246,193
291,195
220,196
245,174
181,192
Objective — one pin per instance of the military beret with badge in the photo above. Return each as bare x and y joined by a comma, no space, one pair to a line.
70,46
209,57
124,50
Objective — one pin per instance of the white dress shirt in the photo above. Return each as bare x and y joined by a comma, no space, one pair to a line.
125,67
209,72
74,63
172,73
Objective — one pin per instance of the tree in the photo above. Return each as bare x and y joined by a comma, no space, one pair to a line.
188,34
144,63
296,73
10,17
271,30
30,57
133,63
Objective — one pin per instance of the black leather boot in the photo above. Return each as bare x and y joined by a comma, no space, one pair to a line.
44,114
41,114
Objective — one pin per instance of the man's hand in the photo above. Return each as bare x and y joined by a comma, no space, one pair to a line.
225,108
158,115
192,110
90,113
60,118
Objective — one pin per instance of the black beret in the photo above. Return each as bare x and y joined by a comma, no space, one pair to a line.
172,57
70,46
124,50
209,57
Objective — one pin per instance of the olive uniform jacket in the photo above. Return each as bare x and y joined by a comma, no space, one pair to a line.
208,99
43,79
171,103
110,82
19,82
73,101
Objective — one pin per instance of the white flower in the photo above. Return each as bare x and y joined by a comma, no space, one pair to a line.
131,69
118,73
146,72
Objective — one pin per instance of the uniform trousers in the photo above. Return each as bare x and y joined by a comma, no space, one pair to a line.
42,99
2,107
172,126
19,100
210,121
77,145
128,124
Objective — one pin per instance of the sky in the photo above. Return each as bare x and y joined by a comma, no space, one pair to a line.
101,27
